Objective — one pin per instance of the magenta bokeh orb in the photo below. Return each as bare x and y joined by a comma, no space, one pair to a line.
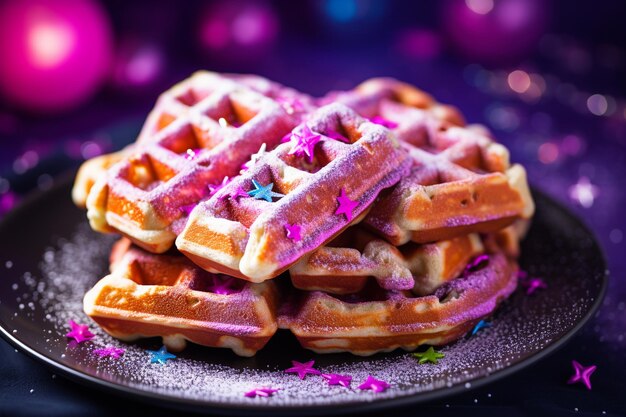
494,32
54,54
238,30
138,64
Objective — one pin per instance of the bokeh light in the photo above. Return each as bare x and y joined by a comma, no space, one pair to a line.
54,54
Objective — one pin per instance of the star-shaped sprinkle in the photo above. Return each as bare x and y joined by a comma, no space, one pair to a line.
584,192
379,120
346,206
160,356
302,369
336,379
234,195
430,355
293,231
214,188
304,141
223,285
263,192
483,324
582,374
254,158
533,284
260,392
110,351
80,333
374,384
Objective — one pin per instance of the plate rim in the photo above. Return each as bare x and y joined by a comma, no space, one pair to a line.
190,404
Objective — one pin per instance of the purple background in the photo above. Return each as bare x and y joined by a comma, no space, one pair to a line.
563,115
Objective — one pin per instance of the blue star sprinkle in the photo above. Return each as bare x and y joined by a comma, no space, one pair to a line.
263,192
160,356
480,325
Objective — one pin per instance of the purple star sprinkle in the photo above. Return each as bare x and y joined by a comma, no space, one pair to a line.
374,384
304,142
293,231
302,369
260,392
214,188
234,195
110,351
582,374
346,206
533,284
384,122
336,379
80,333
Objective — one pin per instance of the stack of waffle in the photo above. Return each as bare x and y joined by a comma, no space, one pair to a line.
364,221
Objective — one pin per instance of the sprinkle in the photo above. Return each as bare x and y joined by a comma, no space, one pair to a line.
110,351
384,122
302,369
293,231
261,392
80,333
374,384
582,374
160,356
234,195
263,192
214,188
337,136
532,284
254,158
480,325
430,355
304,142
336,379
346,206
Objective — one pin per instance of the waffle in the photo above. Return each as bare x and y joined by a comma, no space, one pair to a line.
347,263
91,170
375,320
165,295
200,132
373,96
246,237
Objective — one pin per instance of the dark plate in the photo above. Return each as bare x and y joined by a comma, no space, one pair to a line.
49,257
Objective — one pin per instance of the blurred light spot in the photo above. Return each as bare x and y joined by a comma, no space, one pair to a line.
143,66
254,26
25,162
572,145
616,236
7,201
597,104
341,10
519,81
548,153
479,6
4,185
45,182
49,41
584,192
90,149
503,118
215,34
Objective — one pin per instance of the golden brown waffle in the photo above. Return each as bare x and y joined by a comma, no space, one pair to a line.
247,237
200,132
347,263
149,295
375,320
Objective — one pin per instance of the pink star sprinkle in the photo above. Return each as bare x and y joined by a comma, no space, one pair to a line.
111,351
374,384
302,369
234,195
80,333
260,392
304,142
336,379
384,122
293,231
346,206
214,188
582,374
534,284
